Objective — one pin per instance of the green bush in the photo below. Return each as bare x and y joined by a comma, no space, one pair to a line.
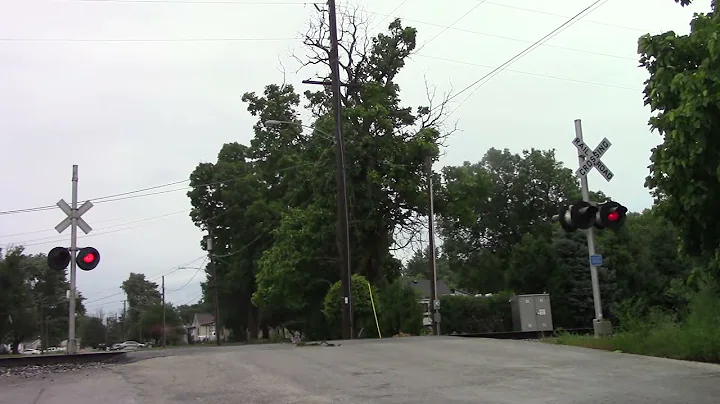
469,314
363,316
696,337
399,310
396,304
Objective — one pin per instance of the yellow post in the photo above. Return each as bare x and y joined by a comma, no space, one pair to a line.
372,301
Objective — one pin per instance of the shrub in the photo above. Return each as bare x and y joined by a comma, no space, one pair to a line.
469,314
363,317
696,337
399,310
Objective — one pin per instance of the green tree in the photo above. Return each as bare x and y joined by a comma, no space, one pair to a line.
418,266
385,161
91,330
682,94
363,314
187,312
271,205
141,295
151,323
33,303
399,310
488,207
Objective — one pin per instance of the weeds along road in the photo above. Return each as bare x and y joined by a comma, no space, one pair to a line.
434,370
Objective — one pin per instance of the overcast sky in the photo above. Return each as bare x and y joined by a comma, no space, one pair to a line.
137,93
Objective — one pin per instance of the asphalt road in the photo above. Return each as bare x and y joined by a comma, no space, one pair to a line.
434,370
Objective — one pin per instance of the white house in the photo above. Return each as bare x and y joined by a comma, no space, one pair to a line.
203,328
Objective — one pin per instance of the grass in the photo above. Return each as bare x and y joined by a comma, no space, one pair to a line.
695,338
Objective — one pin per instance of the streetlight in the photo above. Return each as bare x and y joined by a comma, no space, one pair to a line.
343,233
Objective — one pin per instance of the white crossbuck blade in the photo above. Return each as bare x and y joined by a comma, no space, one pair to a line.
592,158
81,223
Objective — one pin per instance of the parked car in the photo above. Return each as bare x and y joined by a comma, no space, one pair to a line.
132,345
114,347
31,352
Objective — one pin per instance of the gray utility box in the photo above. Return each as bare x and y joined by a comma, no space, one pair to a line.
531,312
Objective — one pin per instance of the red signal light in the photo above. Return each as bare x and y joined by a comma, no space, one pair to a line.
613,216
88,258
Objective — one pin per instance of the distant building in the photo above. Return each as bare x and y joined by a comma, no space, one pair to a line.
203,328
423,286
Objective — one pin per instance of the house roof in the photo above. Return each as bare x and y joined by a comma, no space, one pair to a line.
423,286
204,318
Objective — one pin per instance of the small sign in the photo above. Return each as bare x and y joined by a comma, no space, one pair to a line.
596,260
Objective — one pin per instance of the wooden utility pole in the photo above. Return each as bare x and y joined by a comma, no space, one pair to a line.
124,319
218,332
164,339
343,231
434,301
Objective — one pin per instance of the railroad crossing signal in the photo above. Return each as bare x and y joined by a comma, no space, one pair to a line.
579,215
584,215
611,215
81,223
592,158
58,258
88,258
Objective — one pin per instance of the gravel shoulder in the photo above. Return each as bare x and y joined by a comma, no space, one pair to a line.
88,384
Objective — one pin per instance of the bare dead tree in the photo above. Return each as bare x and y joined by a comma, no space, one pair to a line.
282,70
361,64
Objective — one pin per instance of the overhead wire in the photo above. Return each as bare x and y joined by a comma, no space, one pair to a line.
148,40
484,79
402,3
59,238
534,74
530,10
473,8
175,269
473,32
239,3
185,265
200,268
133,194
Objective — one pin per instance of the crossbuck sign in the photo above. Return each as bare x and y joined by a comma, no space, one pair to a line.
592,158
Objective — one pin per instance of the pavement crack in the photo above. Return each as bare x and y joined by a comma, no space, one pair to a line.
39,394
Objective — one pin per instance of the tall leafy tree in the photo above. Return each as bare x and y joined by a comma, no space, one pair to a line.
141,295
32,302
488,207
271,205
682,92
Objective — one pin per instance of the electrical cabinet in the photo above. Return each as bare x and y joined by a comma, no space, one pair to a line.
531,312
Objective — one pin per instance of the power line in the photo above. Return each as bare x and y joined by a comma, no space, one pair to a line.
130,194
431,24
205,256
478,4
565,16
239,3
402,3
148,40
533,74
55,238
182,266
484,79
193,277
